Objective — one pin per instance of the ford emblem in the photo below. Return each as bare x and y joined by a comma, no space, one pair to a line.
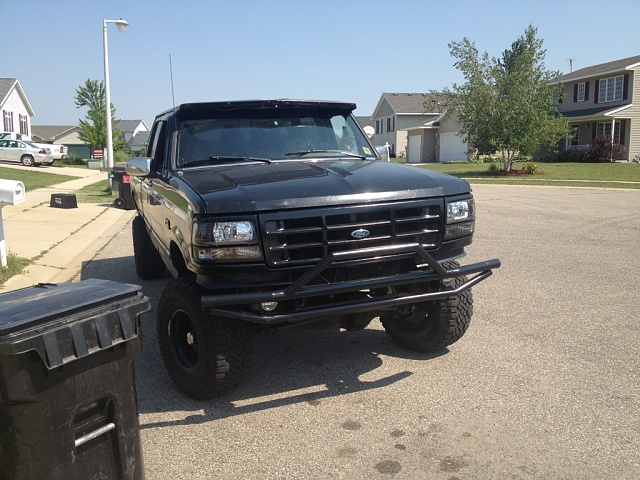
360,233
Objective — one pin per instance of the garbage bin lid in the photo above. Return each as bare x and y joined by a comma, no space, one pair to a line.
41,304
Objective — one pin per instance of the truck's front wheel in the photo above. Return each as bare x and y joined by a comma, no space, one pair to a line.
431,326
204,355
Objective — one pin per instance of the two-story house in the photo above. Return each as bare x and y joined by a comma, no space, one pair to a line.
599,100
15,108
395,112
415,127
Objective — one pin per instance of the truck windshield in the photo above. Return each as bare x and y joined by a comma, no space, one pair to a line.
274,138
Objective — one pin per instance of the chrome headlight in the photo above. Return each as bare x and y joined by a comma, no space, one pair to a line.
461,216
226,240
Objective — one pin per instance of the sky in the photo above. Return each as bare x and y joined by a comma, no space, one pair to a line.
345,50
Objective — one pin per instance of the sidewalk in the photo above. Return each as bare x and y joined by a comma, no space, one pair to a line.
58,240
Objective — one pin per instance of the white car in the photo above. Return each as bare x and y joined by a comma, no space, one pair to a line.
58,152
27,153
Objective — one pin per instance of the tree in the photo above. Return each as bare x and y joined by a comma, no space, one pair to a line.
93,130
506,104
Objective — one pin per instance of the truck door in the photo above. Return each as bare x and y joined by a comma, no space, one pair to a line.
151,199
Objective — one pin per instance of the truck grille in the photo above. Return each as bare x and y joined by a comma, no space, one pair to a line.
307,236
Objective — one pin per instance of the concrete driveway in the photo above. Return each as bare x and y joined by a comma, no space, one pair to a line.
545,385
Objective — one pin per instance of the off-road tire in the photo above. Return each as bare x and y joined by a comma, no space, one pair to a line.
205,355
149,264
27,160
433,325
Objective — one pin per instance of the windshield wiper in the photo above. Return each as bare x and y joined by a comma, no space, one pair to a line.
225,158
301,153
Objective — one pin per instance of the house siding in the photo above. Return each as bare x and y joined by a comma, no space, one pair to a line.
592,111
570,105
633,124
15,105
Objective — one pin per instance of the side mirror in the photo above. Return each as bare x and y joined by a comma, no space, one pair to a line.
139,166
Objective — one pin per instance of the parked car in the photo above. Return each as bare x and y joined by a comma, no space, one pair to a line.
58,152
28,153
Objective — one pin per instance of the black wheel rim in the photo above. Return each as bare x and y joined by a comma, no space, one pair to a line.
183,340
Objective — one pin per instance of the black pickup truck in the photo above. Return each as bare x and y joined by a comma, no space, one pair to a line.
278,214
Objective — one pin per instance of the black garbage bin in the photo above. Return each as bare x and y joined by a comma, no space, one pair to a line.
68,403
122,188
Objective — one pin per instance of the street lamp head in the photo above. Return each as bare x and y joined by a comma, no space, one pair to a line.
121,24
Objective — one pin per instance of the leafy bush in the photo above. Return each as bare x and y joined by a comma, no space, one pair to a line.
570,156
531,168
485,159
522,158
73,159
602,150
493,168
121,157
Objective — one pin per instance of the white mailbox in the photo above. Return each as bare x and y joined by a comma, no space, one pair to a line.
11,192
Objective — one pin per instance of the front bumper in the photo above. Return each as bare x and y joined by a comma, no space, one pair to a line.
304,288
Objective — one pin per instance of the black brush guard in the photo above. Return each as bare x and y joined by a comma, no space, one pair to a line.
301,288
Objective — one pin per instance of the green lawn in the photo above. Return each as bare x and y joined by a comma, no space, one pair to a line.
98,192
33,180
560,174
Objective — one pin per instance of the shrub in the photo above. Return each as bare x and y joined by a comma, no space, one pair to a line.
73,159
120,157
571,156
602,150
531,168
522,158
493,168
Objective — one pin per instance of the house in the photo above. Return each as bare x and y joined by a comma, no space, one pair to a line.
62,135
15,108
130,128
416,127
599,100
140,141
135,132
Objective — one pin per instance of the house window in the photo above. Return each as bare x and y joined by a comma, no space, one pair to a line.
580,96
389,124
604,128
610,89
24,126
378,127
8,121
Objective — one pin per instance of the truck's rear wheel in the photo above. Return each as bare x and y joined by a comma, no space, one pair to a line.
431,326
149,264
204,355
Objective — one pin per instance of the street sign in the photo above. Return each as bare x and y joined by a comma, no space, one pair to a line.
98,153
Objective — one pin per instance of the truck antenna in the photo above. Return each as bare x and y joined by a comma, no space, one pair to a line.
171,74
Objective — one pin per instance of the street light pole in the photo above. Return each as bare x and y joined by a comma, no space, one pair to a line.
122,26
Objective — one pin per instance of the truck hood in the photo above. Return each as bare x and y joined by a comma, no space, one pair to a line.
250,187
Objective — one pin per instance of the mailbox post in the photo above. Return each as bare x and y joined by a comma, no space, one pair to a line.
11,193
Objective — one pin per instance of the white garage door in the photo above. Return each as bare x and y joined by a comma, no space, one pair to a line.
452,148
415,145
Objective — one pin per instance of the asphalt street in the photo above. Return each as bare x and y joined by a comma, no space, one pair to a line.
544,385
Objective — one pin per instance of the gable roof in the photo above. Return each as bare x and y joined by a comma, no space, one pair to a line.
601,69
140,138
7,85
412,103
50,132
407,103
130,125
